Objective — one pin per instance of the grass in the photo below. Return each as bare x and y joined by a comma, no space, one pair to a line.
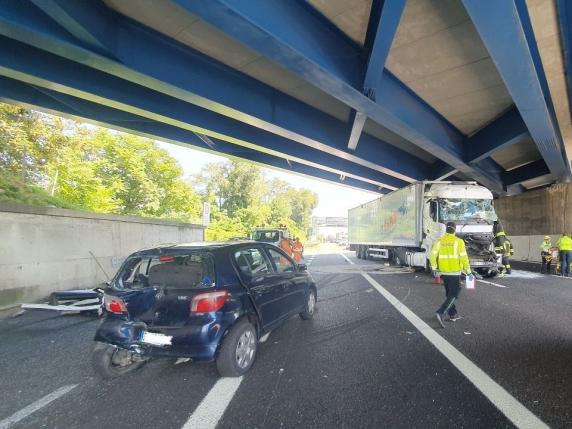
13,190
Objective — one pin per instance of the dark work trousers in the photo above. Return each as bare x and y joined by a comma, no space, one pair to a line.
565,260
505,260
452,291
546,262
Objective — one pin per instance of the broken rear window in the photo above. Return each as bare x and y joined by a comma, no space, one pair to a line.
194,270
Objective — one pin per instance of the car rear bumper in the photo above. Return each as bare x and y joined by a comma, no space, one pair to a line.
196,341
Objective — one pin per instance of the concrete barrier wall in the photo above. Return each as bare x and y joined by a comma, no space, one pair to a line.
528,217
47,249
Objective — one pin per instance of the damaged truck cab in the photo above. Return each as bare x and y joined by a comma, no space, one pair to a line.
404,224
470,206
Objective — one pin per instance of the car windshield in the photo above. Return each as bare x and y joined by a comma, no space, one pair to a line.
193,270
466,210
266,236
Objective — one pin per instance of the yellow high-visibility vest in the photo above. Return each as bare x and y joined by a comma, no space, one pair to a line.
449,256
564,243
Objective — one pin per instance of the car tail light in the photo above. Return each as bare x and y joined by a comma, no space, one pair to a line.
114,305
210,301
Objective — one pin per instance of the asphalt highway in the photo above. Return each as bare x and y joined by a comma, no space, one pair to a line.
361,362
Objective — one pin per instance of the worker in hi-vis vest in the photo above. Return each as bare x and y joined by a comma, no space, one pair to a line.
565,252
449,259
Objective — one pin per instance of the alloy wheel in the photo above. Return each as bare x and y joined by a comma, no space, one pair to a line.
245,349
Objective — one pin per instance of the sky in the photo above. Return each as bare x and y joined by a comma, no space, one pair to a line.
334,200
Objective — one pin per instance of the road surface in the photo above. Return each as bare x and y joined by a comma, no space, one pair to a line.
362,362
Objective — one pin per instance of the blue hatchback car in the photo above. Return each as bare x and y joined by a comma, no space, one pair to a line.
205,301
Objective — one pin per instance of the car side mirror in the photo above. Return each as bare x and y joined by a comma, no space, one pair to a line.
302,267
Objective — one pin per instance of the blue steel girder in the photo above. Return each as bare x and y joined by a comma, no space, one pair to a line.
36,67
506,32
383,23
286,33
507,130
441,170
565,17
88,26
141,54
53,102
526,172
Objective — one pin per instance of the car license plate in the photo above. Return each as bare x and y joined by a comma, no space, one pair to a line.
156,339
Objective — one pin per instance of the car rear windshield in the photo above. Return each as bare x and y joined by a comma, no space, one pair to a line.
193,270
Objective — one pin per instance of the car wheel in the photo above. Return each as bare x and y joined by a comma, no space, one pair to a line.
111,362
310,307
238,350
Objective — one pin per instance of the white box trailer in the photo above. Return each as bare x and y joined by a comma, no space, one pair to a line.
403,225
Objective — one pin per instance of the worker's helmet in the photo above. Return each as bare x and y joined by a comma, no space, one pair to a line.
547,237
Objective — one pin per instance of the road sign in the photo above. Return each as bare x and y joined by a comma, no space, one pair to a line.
206,214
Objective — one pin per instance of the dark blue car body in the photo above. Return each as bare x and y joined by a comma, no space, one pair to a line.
265,300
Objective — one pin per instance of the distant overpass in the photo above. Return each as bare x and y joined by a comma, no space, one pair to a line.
367,93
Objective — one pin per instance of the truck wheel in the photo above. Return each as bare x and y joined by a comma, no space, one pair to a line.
111,362
238,350
359,251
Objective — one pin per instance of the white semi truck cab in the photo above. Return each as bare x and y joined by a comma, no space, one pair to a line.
404,224
470,206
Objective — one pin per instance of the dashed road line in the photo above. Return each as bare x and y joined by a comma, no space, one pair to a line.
213,406
514,410
491,283
347,259
35,406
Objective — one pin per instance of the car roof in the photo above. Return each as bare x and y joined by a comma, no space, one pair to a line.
198,245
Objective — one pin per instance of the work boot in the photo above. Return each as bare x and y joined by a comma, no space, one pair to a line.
508,271
440,319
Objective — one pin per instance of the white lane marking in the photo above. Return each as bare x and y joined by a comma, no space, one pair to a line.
213,406
560,277
517,413
491,283
35,406
521,274
347,259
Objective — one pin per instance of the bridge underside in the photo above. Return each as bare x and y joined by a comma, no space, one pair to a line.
371,94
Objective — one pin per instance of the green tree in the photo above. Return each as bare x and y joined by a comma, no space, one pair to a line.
29,142
91,169
245,200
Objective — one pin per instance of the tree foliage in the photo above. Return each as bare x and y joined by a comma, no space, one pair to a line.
244,199
98,170
94,169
